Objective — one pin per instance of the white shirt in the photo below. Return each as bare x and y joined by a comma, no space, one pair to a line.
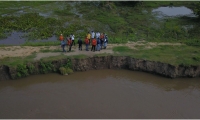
93,34
97,34
73,37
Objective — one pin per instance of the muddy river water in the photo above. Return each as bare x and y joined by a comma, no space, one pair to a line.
100,94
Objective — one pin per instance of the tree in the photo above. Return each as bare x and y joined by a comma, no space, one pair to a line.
196,8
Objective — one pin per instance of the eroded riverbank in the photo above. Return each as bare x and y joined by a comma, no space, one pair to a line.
99,62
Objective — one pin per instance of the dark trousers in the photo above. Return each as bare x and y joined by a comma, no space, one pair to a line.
101,44
63,47
70,47
73,43
89,41
93,47
80,46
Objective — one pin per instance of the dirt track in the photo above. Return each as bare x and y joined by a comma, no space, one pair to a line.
19,51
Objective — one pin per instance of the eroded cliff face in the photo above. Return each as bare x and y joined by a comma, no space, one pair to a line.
114,62
4,73
107,62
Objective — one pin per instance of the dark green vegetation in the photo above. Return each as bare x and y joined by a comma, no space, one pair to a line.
15,61
27,66
41,43
175,55
196,8
122,21
66,68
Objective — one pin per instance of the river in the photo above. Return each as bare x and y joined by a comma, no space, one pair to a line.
100,94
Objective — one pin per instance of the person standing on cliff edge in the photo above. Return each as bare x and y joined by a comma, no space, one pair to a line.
105,41
88,37
86,43
70,43
94,43
62,42
80,42
102,39
73,39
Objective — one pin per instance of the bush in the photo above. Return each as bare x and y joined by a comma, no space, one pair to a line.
62,70
69,71
22,71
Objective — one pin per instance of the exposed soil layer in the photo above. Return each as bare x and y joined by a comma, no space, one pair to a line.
104,62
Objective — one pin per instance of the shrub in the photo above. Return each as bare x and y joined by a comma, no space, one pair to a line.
69,71
62,70
22,71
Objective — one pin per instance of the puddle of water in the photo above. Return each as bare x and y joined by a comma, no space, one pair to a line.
45,14
173,11
16,38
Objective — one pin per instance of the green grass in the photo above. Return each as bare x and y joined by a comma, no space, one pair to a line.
41,43
48,50
122,49
59,57
14,61
121,23
102,54
52,58
81,56
175,55
13,6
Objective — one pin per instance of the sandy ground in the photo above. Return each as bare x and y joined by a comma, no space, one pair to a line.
19,51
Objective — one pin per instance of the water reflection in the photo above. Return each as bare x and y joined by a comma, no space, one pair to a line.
173,11
17,38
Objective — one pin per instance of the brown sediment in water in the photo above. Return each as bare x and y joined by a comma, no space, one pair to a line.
108,62
100,94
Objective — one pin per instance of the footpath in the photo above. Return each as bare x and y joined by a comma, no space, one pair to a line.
22,51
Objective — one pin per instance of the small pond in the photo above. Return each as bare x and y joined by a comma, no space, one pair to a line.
173,11
16,38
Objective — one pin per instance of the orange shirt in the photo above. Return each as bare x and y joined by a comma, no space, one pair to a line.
61,38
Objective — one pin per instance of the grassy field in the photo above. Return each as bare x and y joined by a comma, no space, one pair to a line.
14,61
175,55
43,19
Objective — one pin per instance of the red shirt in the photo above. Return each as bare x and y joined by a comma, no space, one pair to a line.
94,42
86,41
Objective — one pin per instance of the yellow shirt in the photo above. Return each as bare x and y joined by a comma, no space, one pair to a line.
88,36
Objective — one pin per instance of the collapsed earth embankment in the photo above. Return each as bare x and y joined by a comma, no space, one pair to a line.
103,62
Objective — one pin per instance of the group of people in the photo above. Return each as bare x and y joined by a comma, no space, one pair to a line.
97,40
69,41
